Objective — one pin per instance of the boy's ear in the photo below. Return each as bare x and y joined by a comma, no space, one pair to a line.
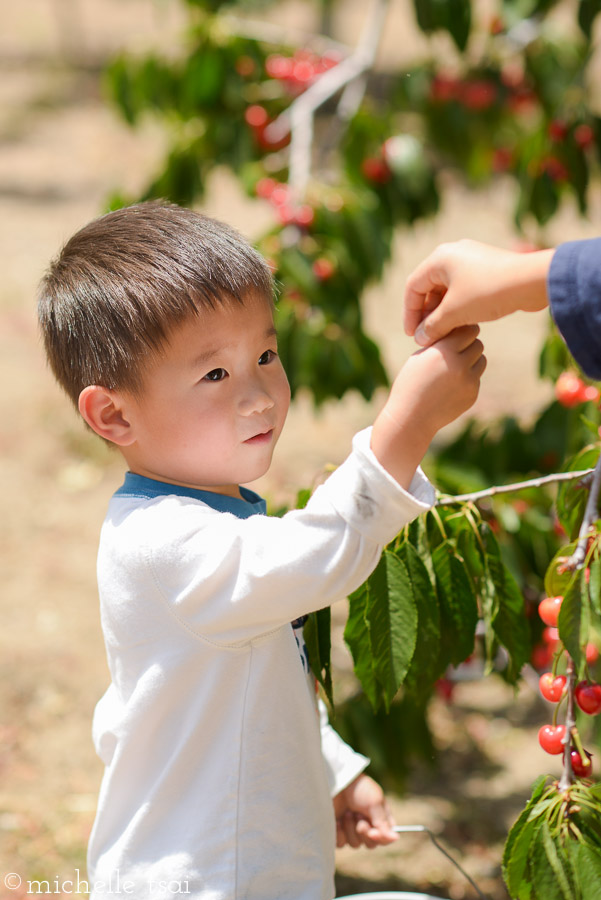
103,410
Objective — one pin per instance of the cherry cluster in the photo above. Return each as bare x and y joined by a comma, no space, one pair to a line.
587,695
570,390
298,71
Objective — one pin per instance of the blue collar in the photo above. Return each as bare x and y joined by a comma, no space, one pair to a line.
250,504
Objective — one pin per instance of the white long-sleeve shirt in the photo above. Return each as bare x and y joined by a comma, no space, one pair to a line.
215,786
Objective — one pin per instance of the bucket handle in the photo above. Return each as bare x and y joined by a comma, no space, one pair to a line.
404,829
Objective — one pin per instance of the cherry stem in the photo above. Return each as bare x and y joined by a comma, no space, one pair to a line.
567,777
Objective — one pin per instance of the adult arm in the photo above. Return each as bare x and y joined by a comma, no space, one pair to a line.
574,288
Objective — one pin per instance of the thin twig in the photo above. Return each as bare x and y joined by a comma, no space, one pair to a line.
402,829
298,118
514,488
576,560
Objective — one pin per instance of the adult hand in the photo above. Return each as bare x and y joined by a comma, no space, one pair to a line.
466,282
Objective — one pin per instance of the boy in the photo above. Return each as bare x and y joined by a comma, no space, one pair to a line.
158,322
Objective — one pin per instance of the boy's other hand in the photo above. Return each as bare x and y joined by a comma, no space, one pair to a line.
466,282
435,385
362,815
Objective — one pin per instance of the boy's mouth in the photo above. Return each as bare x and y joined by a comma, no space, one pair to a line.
262,437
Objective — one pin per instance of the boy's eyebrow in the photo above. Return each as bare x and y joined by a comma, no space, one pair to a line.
206,355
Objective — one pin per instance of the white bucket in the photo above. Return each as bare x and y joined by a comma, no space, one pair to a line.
390,895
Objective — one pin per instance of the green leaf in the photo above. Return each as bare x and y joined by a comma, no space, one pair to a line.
426,665
594,585
572,495
356,636
459,21
588,869
588,10
391,616
558,863
518,843
574,618
317,634
458,606
508,620
557,580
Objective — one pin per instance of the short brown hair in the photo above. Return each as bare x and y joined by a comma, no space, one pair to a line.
124,280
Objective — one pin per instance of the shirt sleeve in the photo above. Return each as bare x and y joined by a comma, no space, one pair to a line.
231,579
343,764
574,289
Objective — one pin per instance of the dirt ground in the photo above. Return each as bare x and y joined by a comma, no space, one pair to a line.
62,151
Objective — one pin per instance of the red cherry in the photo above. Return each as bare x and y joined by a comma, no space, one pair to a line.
551,738
554,168
590,392
551,686
265,187
588,697
568,389
280,194
584,136
245,66
548,610
304,215
502,159
303,71
558,130
323,268
256,116
278,66
582,768
550,636
376,169
445,688
444,88
478,95
592,654
541,656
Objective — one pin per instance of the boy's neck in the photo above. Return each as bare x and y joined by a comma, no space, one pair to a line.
227,490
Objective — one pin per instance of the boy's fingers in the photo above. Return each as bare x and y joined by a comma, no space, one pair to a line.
480,366
460,339
473,352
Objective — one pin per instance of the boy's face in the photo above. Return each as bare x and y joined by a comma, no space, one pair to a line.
214,401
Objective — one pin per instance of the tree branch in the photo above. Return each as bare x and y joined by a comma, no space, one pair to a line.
576,560
298,118
584,474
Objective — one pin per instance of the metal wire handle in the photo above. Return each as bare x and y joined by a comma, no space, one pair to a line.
403,829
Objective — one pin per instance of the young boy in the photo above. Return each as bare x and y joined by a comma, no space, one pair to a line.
158,322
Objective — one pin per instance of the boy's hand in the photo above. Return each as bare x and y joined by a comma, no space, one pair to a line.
435,385
466,282
362,815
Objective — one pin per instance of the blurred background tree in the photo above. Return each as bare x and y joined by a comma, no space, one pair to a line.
346,153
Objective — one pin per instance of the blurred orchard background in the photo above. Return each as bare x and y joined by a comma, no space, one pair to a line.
482,127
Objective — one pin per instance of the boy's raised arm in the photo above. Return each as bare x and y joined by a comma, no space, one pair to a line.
434,386
466,282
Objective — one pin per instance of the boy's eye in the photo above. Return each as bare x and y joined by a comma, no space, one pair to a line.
215,375
267,357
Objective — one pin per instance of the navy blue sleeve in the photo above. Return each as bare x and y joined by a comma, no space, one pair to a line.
574,288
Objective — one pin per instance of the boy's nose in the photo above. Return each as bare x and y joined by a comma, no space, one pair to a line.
255,399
